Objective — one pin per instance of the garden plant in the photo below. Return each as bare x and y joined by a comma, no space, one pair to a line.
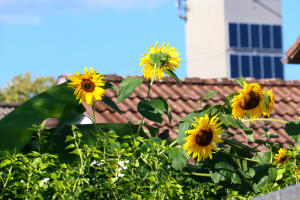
130,161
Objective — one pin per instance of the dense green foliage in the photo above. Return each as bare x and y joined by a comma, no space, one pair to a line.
130,161
127,167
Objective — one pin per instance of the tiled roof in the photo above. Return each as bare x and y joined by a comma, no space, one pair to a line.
183,99
6,108
293,54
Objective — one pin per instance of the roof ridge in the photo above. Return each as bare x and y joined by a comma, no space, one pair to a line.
211,81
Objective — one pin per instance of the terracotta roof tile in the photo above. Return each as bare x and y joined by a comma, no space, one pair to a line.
184,97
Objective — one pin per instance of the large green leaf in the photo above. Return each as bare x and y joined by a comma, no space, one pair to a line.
152,110
127,87
228,120
263,157
111,104
268,177
293,130
166,106
225,171
178,157
172,74
56,102
205,97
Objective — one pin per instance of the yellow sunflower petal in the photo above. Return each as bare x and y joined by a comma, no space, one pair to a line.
88,85
198,142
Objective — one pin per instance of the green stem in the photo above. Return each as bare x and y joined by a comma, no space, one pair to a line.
197,174
173,143
94,117
148,96
234,143
236,156
80,154
265,119
8,176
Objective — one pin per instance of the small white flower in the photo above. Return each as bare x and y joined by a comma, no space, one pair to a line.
97,163
122,167
46,180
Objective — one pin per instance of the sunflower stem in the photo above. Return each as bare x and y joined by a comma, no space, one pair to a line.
265,119
248,159
173,143
94,118
148,96
234,143
197,174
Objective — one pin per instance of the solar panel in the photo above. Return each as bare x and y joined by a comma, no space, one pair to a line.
266,36
234,66
254,36
277,41
256,67
278,68
244,35
233,41
245,66
267,67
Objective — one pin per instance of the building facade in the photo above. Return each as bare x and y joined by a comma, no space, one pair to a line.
229,38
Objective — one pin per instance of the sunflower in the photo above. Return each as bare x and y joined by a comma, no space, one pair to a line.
252,102
200,141
88,86
269,106
297,171
169,60
280,157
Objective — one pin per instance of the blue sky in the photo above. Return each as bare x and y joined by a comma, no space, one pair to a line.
62,36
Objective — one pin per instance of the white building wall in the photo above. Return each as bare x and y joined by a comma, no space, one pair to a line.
205,39
253,11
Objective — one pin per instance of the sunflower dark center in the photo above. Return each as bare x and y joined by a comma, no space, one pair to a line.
87,85
251,101
204,138
283,159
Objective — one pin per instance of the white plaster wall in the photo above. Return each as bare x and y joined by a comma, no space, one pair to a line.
253,11
207,34
205,39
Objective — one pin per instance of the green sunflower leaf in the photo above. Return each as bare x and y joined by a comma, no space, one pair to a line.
128,85
205,97
57,102
228,120
263,157
224,171
172,74
111,104
108,85
185,124
166,106
178,157
152,110
293,130
241,81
